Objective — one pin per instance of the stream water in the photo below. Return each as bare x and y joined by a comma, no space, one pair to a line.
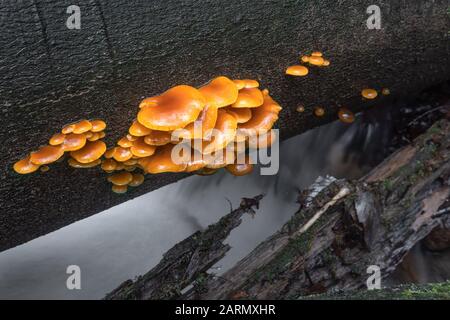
127,240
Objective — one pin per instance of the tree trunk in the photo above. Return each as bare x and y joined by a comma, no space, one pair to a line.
126,50
340,229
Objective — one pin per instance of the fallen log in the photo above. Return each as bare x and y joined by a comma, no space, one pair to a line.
342,228
51,75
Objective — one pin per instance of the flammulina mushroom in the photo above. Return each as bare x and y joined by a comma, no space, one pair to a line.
246,83
25,166
317,54
200,128
109,165
121,178
346,115
95,136
223,133
92,151
138,130
137,180
249,98
220,92
297,70
319,111
263,118
75,164
119,189
304,59
175,108
82,126
369,93
57,139
98,125
300,108
240,169
121,154
315,60
161,161
44,168
158,138
46,154
124,142
242,115
206,171
220,159
141,149
196,163
385,92
73,141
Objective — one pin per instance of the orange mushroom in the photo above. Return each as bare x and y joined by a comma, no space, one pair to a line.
109,153
137,180
25,166
44,168
82,126
315,60
297,70
197,162
138,130
249,98
74,142
240,169
206,171
316,54
120,179
175,108
95,136
57,139
125,143
119,189
369,93
161,161
220,159
46,154
68,129
131,137
98,125
242,115
304,59
75,164
220,92
141,149
149,102
319,111
205,123
122,154
263,118
131,162
346,115
92,151
109,165
158,138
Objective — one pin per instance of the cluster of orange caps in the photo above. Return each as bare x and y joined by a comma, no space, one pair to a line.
315,59
235,109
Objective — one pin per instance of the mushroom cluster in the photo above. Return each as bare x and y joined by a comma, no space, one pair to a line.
80,139
315,59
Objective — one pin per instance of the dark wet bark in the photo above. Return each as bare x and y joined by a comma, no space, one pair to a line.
333,238
126,50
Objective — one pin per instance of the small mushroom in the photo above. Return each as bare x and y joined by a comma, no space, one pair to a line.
75,164
138,130
385,92
246,83
137,180
109,165
205,121
98,125
109,153
346,115
131,162
74,142
121,178
68,129
297,70
125,143
220,92
159,138
314,60
224,132
240,169
82,126
95,136
316,54
197,162
119,189
369,93
25,166
220,159
319,111
206,171
46,154
325,63
300,108
92,151
161,161
249,98
141,149
122,154
57,139
44,168
304,59
242,115
175,108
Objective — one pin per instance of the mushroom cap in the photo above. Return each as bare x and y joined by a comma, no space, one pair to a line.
158,138
109,153
175,108
109,165
82,126
197,162
138,130
131,137
206,171
249,98
206,122
68,128
122,154
297,70
149,102
125,143
131,162
325,63
95,136
316,54
246,83
319,111
121,178
119,189
304,58
137,180
44,168
300,108
240,169
346,115
220,159
25,166
242,115
75,164
141,149
130,168
98,125
57,139
74,141
92,151
161,161
369,93
314,60
220,92
223,133
263,118
263,140
46,154
385,91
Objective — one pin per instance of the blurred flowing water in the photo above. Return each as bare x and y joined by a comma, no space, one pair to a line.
129,239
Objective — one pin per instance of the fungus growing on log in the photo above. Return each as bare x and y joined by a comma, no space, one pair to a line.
297,70
92,151
73,141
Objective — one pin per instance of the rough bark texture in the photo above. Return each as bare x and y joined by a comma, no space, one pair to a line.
346,227
125,50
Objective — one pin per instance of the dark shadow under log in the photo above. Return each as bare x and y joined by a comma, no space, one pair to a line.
124,51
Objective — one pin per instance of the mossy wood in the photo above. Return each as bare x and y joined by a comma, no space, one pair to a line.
127,50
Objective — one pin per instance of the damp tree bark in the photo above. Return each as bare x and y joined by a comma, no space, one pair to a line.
330,241
126,50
